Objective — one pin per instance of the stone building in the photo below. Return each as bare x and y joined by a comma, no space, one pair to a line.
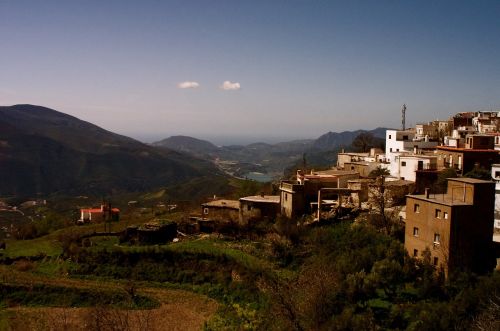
296,196
259,207
456,227
221,210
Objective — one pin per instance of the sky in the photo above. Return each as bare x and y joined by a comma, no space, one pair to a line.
234,71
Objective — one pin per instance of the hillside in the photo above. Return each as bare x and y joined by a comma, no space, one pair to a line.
43,151
332,140
188,145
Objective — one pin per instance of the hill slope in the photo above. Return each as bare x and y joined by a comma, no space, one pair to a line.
43,151
188,145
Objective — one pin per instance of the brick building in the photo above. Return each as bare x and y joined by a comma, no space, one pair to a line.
464,160
457,227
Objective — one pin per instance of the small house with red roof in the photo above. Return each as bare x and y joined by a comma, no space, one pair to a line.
97,215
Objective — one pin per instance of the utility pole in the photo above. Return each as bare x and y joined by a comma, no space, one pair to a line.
403,113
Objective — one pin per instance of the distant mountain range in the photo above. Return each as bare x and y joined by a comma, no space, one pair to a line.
332,140
269,158
44,151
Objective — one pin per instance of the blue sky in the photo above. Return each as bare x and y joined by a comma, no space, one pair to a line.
303,67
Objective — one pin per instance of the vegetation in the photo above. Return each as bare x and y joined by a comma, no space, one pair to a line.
366,140
379,171
479,173
352,275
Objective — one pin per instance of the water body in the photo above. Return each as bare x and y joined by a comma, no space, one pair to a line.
259,177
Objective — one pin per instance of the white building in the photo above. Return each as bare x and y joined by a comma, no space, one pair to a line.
495,173
397,142
408,163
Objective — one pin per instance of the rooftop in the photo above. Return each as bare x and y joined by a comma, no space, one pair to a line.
262,198
399,182
222,203
354,153
335,172
443,199
465,150
469,180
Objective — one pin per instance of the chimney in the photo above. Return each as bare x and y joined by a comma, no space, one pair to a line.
427,192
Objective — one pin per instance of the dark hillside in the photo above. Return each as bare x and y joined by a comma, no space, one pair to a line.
43,151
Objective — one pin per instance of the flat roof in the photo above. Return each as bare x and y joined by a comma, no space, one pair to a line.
470,180
419,156
363,163
440,199
466,150
262,198
354,153
361,180
223,203
399,182
335,172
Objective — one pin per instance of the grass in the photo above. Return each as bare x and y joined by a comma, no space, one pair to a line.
43,245
216,248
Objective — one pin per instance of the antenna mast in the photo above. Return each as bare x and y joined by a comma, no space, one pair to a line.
403,113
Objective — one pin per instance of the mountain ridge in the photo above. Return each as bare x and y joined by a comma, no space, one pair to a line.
43,151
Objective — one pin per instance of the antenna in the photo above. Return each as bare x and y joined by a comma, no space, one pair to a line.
403,113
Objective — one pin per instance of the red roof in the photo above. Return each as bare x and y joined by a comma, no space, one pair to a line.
95,210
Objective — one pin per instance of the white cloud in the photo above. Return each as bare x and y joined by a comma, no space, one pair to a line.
188,85
227,85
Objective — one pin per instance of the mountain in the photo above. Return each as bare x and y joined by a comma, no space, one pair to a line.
43,151
267,158
188,145
332,140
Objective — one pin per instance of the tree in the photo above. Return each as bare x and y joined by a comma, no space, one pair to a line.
479,173
379,171
363,141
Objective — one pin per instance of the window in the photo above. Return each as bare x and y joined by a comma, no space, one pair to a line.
389,136
415,232
249,207
437,239
405,137
437,213
205,211
497,174
415,252
435,261
397,149
403,164
416,208
286,196
445,215
390,149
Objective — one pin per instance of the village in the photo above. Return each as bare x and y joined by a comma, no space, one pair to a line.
434,180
